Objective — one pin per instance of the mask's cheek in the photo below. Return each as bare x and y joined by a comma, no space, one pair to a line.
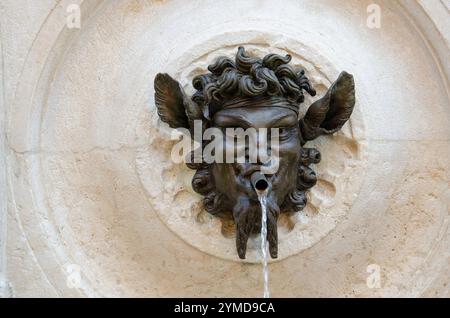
225,179
289,153
285,180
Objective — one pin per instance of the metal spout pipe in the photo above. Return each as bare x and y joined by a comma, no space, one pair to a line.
259,182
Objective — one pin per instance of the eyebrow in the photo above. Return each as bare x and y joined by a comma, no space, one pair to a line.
281,119
237,120
240,120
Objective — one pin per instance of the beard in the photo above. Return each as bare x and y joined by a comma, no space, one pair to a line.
247,216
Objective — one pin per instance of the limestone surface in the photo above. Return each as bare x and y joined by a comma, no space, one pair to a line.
91,204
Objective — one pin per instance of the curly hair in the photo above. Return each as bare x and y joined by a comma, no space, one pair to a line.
247,77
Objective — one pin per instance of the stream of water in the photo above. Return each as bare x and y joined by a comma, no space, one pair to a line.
262,196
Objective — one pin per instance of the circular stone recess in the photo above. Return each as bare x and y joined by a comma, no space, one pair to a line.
329,201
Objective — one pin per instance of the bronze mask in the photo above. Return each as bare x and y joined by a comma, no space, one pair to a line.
249,92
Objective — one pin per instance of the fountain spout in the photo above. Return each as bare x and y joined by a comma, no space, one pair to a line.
259,182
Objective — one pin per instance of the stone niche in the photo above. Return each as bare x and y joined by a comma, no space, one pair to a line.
92,205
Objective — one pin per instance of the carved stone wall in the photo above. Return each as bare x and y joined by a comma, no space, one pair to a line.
91,204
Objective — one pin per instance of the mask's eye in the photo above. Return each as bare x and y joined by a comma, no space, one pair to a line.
284,132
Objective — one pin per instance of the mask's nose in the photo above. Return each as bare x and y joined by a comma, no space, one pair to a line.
246,169
255,148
